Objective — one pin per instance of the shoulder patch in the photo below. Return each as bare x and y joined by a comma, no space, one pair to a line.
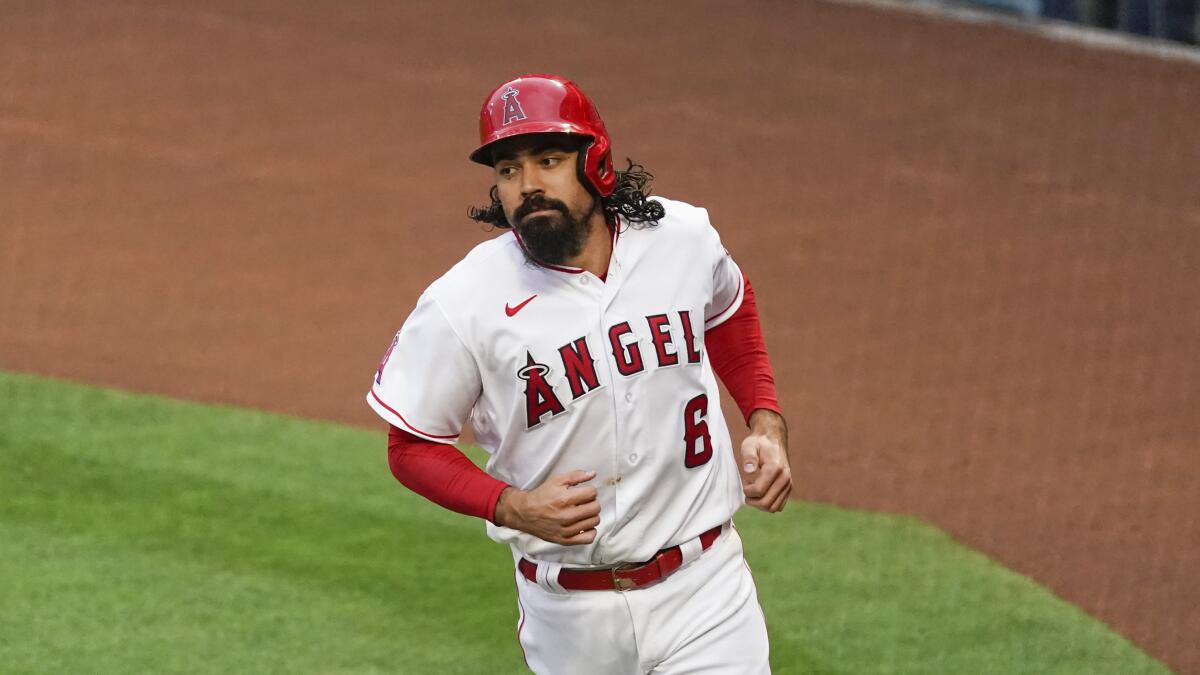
386,355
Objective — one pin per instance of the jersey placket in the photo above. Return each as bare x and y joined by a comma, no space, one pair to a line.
595,295
621,398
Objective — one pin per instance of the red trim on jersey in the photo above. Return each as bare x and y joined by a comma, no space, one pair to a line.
393,411
521,625
442,474
739,357
741,283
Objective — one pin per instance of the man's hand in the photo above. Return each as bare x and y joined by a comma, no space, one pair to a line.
763,462
560,510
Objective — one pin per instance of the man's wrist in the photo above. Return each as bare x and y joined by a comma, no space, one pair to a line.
768,423
506,511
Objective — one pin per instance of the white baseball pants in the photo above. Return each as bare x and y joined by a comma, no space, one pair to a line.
704,618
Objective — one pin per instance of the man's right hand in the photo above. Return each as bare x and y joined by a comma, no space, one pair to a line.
561,510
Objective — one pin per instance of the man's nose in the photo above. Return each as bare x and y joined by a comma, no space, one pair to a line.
531,183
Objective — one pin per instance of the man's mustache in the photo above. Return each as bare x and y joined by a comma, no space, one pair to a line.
539,204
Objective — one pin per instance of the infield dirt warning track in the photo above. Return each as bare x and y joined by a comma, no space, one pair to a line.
976,251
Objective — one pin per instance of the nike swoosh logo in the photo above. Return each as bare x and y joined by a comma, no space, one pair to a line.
512,311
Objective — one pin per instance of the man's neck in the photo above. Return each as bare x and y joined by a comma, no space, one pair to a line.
597,249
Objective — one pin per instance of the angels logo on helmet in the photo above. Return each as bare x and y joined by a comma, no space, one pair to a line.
512,106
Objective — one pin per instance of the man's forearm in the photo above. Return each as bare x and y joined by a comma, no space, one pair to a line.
443,475
738,354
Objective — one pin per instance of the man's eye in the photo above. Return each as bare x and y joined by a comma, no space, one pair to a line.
507,171
550,161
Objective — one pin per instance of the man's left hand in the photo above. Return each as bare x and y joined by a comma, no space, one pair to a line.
763,462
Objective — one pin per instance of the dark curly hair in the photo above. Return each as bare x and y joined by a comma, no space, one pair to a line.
629,200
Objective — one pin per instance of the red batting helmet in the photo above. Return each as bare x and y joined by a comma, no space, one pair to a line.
539,104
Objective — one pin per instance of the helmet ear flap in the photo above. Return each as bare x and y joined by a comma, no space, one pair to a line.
584,168
595,167
603,166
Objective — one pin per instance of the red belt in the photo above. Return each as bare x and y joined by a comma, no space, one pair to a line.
623,577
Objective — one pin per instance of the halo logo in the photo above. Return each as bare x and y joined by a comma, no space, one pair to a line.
540,398
512,107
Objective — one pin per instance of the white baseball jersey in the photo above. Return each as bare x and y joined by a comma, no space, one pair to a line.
557,370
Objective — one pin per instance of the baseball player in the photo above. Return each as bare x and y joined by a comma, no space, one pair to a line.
582,344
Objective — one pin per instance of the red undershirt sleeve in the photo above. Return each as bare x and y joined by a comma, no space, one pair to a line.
738,355
442,474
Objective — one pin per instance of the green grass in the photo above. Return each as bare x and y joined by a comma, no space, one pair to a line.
142,535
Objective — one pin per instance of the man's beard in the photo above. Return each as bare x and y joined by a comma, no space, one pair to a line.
553,238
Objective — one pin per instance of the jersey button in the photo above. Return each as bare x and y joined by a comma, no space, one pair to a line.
628,397
633,458
583,280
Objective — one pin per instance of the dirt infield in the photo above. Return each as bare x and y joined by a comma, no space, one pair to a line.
976,251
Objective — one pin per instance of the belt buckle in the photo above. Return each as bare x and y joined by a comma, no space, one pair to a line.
621,584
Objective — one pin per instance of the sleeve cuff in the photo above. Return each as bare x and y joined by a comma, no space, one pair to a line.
494,500
391,416
720,317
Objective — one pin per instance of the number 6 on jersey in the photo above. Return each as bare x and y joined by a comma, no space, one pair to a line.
697,446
